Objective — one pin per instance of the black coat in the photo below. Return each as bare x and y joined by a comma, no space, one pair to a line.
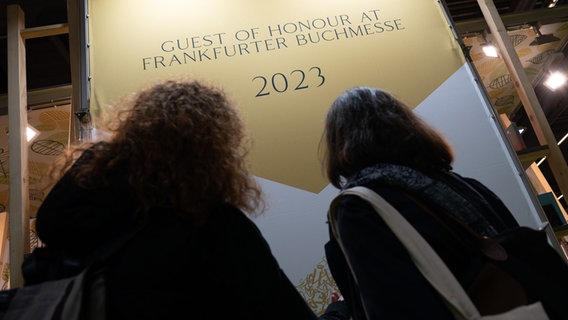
390,286
172,269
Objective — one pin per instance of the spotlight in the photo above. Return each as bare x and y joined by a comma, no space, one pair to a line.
542,38
555,80
31,133
488,48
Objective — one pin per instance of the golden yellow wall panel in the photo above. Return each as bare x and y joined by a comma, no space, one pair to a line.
282,62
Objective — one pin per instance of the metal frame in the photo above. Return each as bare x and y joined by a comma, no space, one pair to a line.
78,47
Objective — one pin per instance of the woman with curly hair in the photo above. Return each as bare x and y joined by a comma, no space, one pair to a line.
175,166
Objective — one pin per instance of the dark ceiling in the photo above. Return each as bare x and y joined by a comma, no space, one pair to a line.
462,10
48,58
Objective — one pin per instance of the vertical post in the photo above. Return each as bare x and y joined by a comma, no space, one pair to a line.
527,95
77,15
18,208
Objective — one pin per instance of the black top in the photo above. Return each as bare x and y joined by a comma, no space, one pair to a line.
390,285
223,269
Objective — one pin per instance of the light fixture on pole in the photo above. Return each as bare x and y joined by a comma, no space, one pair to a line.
488,48
542,38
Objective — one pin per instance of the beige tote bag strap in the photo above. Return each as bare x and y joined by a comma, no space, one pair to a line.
424,257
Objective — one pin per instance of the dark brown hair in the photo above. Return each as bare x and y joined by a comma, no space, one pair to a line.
183,144
366,126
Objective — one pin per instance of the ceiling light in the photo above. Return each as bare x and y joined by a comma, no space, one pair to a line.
31,133
542,38
490,50
563,138
555,80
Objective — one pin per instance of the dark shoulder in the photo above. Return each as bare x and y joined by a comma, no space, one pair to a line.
230,214
233,222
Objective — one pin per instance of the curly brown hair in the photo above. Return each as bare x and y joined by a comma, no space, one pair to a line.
183,143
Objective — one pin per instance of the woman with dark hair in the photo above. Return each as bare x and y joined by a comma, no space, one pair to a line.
174,167
372,139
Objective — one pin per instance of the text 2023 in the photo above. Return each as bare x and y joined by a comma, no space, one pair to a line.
295,80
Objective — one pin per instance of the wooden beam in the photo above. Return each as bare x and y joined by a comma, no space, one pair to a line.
18,208
529,155
45,31
527,95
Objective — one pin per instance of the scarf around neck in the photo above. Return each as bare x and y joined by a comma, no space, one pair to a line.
431,190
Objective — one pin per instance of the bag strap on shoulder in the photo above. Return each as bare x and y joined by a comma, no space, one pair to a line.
425,258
